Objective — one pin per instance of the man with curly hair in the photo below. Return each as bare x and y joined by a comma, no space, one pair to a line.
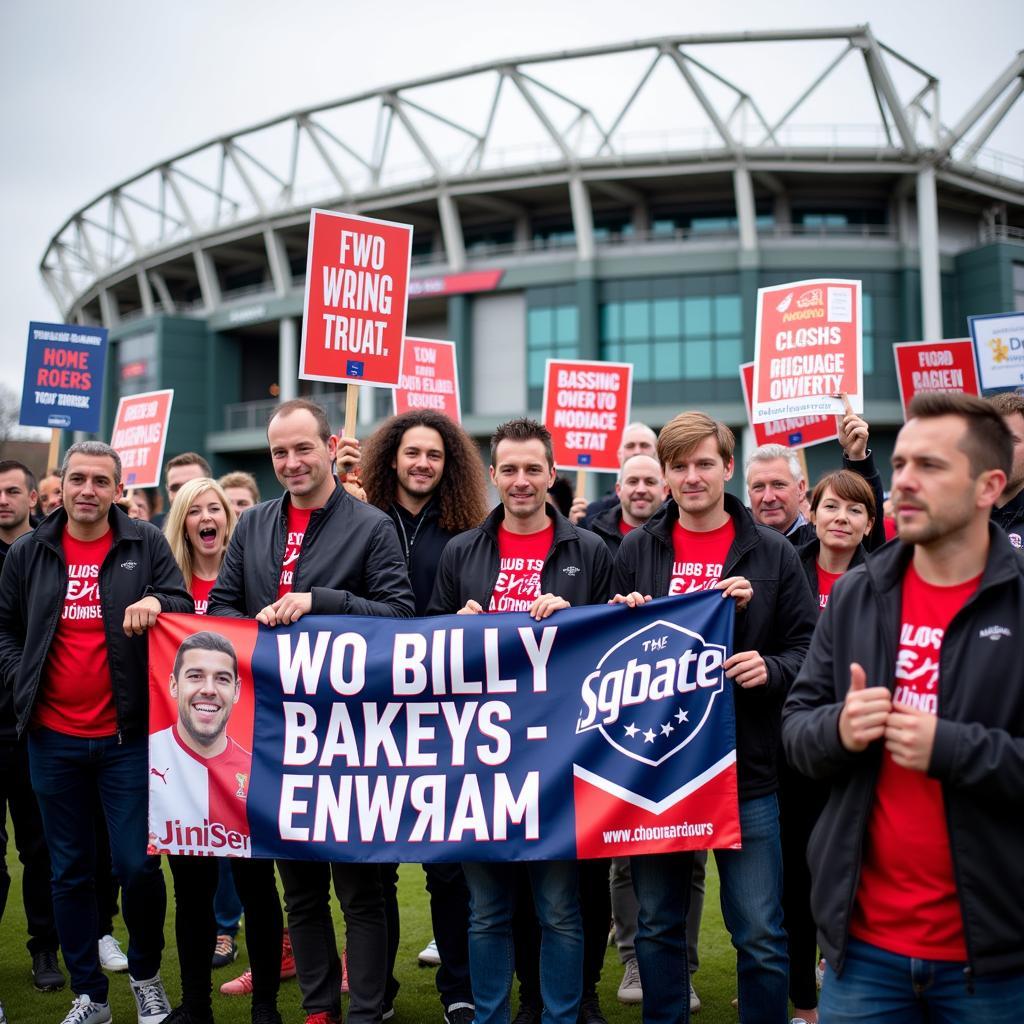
426,473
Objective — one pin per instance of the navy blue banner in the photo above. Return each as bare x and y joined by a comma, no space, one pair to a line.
63,385
600,731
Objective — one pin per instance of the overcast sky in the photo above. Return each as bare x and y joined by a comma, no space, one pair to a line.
95,92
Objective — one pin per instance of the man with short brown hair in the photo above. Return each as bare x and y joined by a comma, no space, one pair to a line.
1008,511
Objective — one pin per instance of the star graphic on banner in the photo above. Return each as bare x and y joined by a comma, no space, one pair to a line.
666,729
649,736
682,716
631,730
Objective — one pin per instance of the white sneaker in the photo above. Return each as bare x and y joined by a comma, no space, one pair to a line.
112,957
151,999
3,1016
429,957
630,990
694,1000
85,1011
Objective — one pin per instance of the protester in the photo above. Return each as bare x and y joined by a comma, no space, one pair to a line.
425,472
142,503
637,439
76,598
514,561
639,490
336,556
1008,512
49,492
17,495
178,470
705,539
242,490
910,705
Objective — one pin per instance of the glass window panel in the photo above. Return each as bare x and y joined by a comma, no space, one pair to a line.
728,356
668,360
869,354
566,324
698,360
539,327
667,318
536,362
639,354
611,321
697,316
867,310
728,314
636,321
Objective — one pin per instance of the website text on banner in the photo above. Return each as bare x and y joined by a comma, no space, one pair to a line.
999,348
603,731
357,279
429,378
792,431
140,436
63,386
935,366
807,349
586,408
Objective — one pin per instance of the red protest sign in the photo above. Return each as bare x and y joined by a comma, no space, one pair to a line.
807,350
586,408
935,366
792,431
140,434
357,280
429,378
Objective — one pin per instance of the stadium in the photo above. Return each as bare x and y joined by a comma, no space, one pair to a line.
621,202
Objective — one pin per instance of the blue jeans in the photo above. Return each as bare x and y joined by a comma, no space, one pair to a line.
491,955
751,893
67,771
880,986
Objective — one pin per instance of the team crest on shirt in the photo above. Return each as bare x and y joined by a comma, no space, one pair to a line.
651,693
242,778
1015,539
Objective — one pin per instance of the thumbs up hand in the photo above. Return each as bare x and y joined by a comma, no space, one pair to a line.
865,712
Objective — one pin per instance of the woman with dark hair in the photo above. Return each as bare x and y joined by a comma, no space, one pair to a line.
843,512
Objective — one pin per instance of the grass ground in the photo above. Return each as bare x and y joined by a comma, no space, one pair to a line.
417,1002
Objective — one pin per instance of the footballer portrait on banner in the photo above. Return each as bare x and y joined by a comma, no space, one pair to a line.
199,771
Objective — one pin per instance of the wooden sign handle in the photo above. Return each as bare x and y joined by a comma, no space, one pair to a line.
54,452
581,483
351,408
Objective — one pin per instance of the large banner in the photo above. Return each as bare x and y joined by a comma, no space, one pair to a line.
600,731
999,347
357,281
63,385
935,366
586,408
807,349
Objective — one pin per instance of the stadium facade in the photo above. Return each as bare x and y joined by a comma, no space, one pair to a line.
552,219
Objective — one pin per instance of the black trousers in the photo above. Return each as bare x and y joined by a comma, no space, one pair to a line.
17,797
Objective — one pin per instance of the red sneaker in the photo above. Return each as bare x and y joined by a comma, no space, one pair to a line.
324,1017
287,957
240,986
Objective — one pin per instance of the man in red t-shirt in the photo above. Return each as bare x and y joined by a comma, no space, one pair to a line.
77,596
911,702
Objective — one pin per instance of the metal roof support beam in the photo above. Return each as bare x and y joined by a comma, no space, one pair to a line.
108,308
451,231
288,358
231,152
538,111
418,141
629,103
85,242
145,292
995,120
582,218
163,292
209,285
928,254
805,95
50,280
746,212
991,94
477,154
277,260
720,126
167,176
311,133
380,145
880,79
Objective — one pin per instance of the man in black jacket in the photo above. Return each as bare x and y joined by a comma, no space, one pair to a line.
424,471
702,539
525,557
76,598
911,704
1008,512
640,490
315,550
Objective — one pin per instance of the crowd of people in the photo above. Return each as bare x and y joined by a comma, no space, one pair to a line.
879,716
